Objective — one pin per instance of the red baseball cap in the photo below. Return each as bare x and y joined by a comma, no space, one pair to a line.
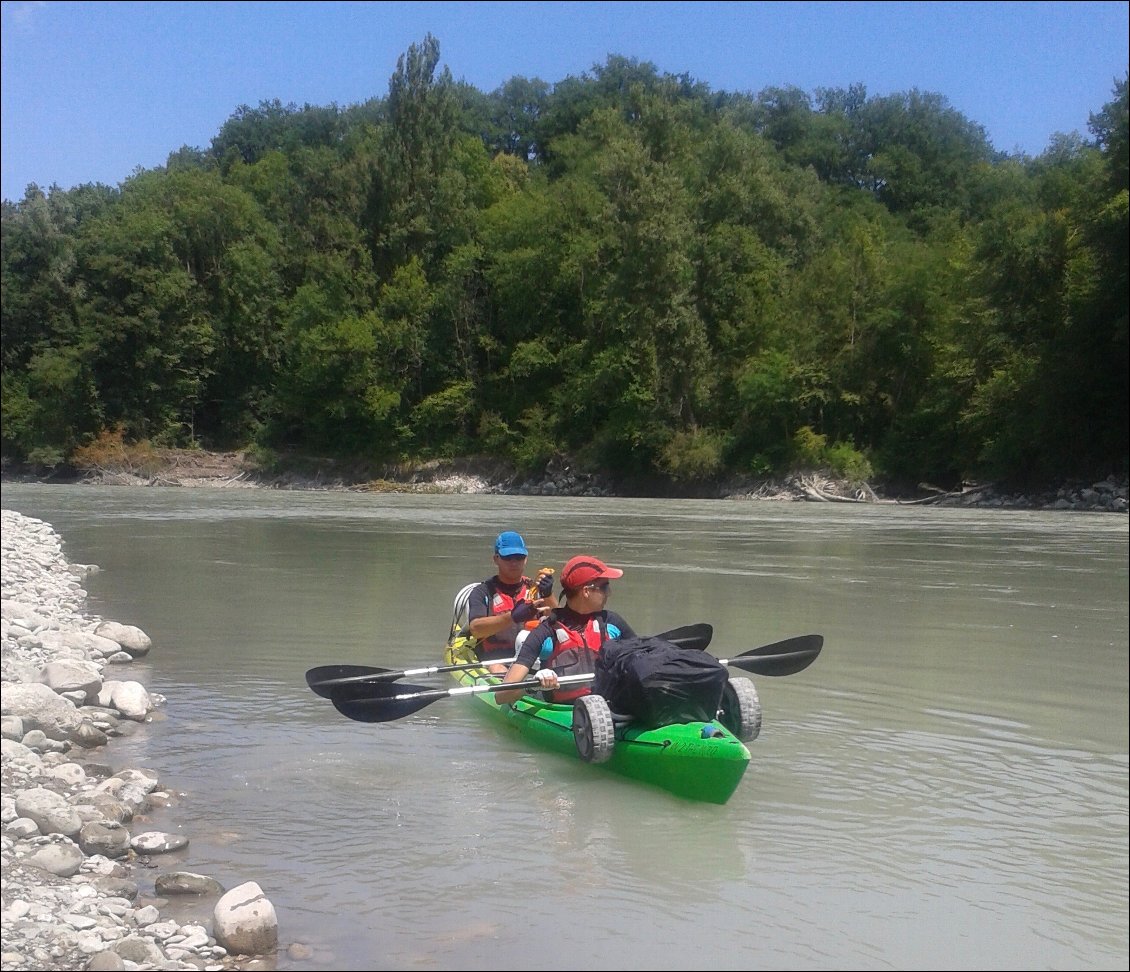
584,570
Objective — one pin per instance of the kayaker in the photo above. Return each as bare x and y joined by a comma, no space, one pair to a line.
567,641
499,607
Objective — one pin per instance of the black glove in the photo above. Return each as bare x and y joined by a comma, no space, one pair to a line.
545,585
523,612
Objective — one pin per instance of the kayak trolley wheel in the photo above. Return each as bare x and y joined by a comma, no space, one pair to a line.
741,709
592,728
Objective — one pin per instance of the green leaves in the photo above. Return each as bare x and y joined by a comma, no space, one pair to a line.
623,266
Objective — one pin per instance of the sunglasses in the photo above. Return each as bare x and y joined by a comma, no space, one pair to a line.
599,585
512,558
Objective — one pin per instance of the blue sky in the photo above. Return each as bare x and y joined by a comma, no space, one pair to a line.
90,91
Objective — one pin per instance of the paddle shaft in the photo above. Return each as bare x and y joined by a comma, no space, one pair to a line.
388,675
324,679
428,696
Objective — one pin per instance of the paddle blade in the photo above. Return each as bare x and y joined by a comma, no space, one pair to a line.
694,636
378,710
383,702
783,658
324,678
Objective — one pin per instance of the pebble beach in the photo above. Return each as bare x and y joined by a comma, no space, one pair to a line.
75,832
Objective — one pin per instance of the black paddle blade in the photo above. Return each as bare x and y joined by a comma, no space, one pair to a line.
694,636
387,710
783,658
384,702
324,678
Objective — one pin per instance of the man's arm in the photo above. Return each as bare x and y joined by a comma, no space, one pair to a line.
527,655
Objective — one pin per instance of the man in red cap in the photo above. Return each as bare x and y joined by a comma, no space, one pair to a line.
568,640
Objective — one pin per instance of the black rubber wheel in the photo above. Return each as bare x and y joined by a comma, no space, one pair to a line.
593,731
741,709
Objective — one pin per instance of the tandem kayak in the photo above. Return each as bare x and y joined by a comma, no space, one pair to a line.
702,761
697,760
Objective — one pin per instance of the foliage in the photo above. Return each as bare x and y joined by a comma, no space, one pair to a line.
621,266
533,445
109,452
810,450
442,418
695,455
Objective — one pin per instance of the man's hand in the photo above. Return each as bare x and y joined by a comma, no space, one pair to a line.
545,585
523,612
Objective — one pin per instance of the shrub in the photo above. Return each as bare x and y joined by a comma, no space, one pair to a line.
535,445
46,457
110,453
810,450
848,463
694,455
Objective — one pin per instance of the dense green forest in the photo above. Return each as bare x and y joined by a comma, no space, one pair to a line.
625,267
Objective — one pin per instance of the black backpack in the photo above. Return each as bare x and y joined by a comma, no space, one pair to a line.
657,683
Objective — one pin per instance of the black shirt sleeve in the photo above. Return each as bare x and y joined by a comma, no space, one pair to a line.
611,617
478,604
531,647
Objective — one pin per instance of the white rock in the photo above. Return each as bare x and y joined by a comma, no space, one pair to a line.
131,699
244,921
72,675
132,639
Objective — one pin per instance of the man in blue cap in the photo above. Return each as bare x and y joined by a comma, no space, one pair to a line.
499,607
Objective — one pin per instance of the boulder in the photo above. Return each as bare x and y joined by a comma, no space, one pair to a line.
72,675
108,838
130,698
186,882
62,857
40,708
132,640
50,811
244,921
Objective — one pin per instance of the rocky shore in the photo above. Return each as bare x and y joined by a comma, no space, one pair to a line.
74,830
188,468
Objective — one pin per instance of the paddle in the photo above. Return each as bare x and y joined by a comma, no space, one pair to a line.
695,636
386,702
781,658
325,679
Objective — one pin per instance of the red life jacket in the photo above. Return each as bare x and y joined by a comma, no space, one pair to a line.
503,603
574,653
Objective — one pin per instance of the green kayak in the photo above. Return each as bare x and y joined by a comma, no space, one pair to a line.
696,760
702,761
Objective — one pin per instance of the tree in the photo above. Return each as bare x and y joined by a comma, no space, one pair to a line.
415,147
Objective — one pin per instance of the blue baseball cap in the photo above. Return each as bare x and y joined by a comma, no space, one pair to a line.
510,543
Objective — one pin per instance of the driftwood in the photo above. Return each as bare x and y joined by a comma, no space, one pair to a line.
823,491
177,475
966,490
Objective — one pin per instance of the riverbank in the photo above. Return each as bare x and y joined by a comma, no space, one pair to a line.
82,885
238,470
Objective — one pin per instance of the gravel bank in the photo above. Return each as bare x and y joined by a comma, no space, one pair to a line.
72,826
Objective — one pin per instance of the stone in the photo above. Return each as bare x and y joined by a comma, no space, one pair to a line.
108,838
244,921
132,639
155,842
186,882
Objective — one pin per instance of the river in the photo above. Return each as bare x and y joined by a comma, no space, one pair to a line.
945,787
